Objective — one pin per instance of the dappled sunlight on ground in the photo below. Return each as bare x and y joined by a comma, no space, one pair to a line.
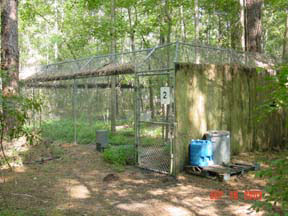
135,181
4,179
155,207
21,169
78,191
75,189
74,186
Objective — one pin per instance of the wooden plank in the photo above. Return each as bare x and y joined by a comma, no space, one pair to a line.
222,173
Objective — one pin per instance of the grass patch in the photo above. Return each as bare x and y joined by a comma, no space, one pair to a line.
121,138
42,151
18,212
120,155
63,131
31,212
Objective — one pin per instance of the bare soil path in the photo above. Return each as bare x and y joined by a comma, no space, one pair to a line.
74,186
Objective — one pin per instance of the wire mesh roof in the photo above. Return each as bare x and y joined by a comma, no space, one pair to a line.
157,58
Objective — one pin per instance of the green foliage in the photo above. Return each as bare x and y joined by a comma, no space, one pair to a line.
56,151
18,212
120,155
63,131
57,131
84,26
275,89
276,191
15,114
122,138
280,90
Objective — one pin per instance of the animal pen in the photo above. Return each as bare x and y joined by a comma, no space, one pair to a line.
169,95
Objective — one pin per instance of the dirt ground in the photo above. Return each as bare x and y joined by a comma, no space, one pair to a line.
73,185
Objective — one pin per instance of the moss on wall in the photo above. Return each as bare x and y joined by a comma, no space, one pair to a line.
221,97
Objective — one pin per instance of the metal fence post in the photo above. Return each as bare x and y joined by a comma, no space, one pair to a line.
74,94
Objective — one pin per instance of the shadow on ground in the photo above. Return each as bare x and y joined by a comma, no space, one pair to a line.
74,186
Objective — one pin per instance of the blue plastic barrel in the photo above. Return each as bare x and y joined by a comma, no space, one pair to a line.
201,152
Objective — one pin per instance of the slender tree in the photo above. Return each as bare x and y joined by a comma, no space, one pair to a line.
196,20
182,23
9,67
9,52
285,40
242,22
131,29
113,78
253,25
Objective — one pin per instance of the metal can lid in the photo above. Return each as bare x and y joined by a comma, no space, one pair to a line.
218,133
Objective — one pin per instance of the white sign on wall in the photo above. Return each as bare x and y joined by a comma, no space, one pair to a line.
165,95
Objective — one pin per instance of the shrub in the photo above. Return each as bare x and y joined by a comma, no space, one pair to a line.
120,155
276,190
121,139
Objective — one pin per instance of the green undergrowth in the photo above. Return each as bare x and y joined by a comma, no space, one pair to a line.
121,144
275,196
31,212
63,131
17,212
119,155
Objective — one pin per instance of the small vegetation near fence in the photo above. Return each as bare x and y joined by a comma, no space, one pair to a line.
120,151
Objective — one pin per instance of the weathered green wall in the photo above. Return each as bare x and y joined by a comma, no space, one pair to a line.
222,97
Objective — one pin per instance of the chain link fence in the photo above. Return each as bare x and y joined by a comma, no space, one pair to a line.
77,96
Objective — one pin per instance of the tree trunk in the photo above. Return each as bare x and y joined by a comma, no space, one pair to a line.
56,30
117,102
208,29
234,35
132,31
168,21
219,30
242,22
253,25
196,25
113,78
165,23
9,55
196,20
183,24
285,41
151,98
162,28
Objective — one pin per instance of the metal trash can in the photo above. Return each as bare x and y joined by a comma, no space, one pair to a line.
101,140
221,145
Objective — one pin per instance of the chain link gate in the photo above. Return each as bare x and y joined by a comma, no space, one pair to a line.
155,111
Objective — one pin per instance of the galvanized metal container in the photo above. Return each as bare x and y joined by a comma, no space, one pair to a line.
221,145
101,139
